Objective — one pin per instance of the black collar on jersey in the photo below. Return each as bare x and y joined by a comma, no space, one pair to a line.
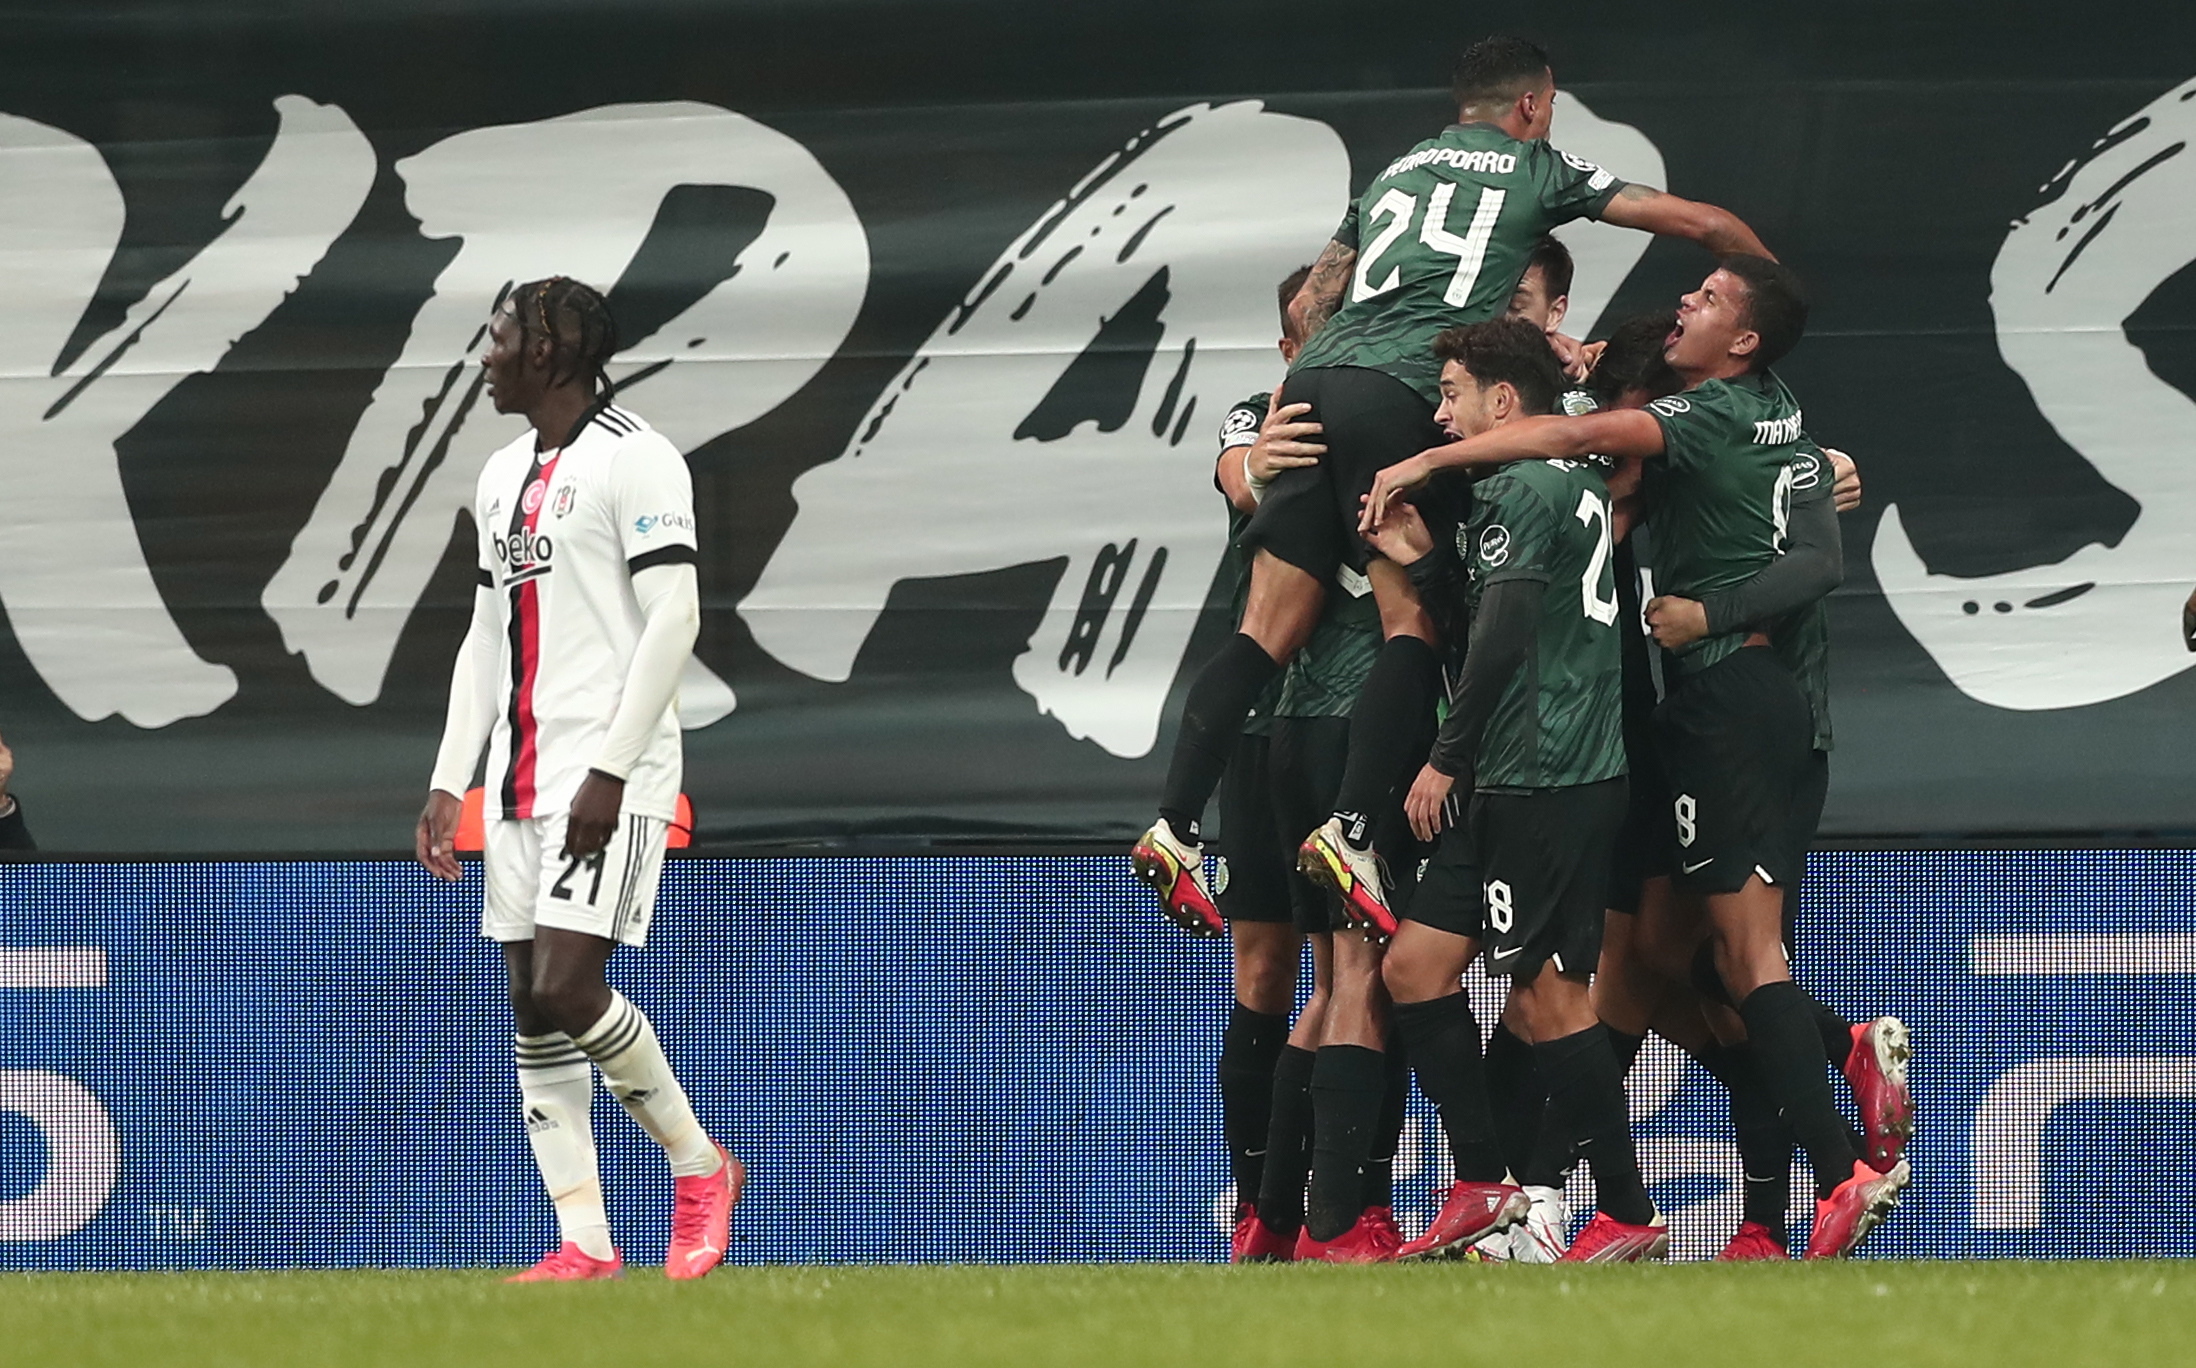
593,412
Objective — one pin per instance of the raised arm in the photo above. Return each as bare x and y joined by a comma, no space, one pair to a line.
1652,211
1323,289
1621,434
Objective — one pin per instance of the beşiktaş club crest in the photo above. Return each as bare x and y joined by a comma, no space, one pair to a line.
563,504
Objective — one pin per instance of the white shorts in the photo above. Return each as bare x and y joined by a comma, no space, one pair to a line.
531,882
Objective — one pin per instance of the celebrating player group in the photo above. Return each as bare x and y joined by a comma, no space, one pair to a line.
1454,718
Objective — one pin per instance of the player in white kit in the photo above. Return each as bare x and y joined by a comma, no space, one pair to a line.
585,615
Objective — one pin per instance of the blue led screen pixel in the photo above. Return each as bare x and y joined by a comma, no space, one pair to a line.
964,1058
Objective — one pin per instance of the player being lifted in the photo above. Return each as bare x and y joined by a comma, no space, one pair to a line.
586,611
1734,733
1534,732
1440,238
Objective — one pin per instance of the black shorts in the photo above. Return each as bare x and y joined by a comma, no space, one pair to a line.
1307,760
1450,896
1544,859
1255,867
1735,742
1370,420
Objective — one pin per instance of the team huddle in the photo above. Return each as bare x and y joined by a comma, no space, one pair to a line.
1530,671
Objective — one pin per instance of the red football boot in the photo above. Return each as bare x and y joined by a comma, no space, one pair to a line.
701,1218
1877,1070
1374,1239
1608,1240
1857,1206
570,1263
1175,869
1354,876
1256,1242
1469,1213
1754,1243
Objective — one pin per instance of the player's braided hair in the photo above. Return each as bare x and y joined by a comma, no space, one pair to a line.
576,319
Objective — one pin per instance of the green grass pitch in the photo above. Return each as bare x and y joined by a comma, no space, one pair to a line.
1905,1314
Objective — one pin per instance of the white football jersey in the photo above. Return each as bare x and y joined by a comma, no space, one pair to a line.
562,534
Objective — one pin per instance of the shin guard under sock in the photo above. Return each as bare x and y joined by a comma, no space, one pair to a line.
1442,1039
1387,729
1212,719
1248,1052
1787,1053
1349,1084
1586,1100
1288,1143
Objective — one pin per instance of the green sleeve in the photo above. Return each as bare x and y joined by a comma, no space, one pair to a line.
1240,427
1572,187
1514,533
1812,477
1346,231
1697,424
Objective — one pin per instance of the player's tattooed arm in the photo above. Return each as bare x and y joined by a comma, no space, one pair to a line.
1323,289
1616,433
1666,215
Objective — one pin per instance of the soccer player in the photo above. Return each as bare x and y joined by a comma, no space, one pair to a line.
1264,1074
1440,238
1333,1078
586,612
1535,732
1735,731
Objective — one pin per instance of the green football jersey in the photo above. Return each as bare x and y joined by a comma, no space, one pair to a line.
1560,721
1442,237
1801,638
1721,496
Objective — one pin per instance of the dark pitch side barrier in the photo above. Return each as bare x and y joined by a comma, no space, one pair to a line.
936,1058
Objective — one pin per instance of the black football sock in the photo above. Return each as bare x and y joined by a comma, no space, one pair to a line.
1212,719
1626,1047
1836,1032
1387,732
1288,1143
1349,1084
1586,1099
1248,1052
1442,1039
1764,1141
1388,1136
1517,1098
1787,1053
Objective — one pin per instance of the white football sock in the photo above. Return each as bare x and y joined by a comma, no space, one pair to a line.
624,1046
557,1091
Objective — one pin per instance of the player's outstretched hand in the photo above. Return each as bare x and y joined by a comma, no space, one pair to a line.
1402,537
435,842
1676,622
1281,445
1845,489
594,814
1388,488
1424,804
2188,622
1577,358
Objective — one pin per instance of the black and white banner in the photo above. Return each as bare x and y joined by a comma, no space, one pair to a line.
947,364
